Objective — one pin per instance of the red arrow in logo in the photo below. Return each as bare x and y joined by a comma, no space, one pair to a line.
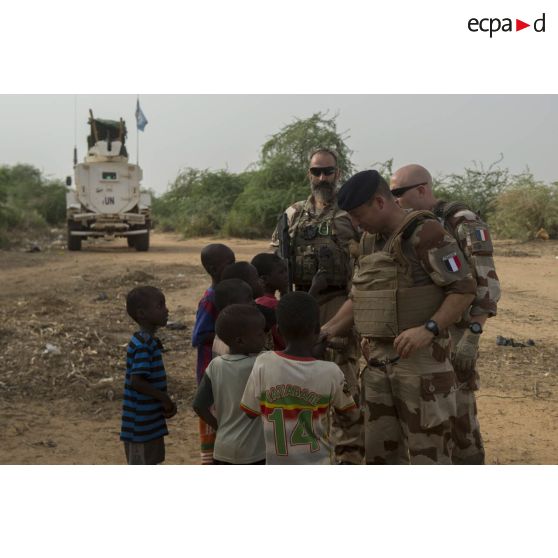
519,25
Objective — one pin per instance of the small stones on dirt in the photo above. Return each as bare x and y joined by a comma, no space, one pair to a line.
137,277
51,349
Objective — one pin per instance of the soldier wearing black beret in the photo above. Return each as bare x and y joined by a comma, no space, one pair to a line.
411,282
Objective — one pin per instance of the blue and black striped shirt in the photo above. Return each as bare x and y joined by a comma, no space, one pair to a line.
142,416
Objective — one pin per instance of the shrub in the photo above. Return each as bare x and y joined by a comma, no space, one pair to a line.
525,208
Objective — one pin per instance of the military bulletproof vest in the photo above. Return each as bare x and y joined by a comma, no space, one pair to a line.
316,246
385,300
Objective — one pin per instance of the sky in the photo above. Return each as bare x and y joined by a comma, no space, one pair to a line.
444,133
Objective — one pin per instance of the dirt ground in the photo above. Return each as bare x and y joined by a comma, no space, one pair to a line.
61,405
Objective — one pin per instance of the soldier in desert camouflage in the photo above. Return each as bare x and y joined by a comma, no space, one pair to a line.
410,284
324,239
412,187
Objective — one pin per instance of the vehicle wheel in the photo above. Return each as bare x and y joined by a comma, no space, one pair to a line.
130,240
74,242
141,242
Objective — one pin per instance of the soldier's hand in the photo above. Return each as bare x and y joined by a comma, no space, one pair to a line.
319,348
410,340
465,356
319,282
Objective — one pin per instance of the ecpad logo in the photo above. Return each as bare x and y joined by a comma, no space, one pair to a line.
493,25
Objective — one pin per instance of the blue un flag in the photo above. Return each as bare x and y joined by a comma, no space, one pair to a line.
141,121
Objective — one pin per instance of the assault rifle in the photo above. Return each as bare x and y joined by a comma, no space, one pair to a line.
285,247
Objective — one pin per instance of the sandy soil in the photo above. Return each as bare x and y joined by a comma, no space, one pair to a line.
65,408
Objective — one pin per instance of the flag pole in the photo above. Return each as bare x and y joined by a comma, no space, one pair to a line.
137,136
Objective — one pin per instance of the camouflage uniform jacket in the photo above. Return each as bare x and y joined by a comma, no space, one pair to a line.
474,239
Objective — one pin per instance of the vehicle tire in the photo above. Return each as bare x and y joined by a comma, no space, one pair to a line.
141,242
130,240
74,242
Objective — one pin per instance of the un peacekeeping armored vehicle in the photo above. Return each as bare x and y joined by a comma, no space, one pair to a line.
106,201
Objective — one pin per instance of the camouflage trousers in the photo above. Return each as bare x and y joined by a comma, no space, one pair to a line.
348,436
410,405
468,445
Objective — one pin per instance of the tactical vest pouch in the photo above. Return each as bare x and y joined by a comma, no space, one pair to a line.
420,303
321,254
381,314
307,266
375,313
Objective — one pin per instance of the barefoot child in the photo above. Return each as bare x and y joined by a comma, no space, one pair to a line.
146,403
239,440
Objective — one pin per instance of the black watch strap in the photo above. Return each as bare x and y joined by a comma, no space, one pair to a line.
432,327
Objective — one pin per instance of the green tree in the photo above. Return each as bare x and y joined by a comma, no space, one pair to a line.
198,201
280,177
477,187
28,199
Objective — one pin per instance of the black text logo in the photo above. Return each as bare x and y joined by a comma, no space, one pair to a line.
493,25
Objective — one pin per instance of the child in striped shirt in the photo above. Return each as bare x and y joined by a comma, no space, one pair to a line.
146,404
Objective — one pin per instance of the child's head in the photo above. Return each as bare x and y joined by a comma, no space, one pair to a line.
214,258
146,306
273,271
232,291
241,327
247,272
298,317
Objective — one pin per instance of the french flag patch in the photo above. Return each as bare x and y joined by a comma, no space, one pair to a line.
482,234
452,263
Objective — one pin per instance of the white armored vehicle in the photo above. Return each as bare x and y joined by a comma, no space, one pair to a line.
107,201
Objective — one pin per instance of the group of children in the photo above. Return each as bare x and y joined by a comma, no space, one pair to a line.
263,397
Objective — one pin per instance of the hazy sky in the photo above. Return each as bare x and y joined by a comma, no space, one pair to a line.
445,133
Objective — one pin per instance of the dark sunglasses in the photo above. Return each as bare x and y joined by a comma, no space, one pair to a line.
398,192
318,171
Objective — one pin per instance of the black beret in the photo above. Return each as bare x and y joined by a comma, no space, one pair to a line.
358,189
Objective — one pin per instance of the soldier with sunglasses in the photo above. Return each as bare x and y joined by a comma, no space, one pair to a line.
323,245
412,187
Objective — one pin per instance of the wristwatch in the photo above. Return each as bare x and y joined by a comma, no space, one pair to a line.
475,328
432,327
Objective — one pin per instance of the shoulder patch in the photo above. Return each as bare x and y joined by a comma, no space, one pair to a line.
452,262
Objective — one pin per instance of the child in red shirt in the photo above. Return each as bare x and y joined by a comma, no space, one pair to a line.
273,273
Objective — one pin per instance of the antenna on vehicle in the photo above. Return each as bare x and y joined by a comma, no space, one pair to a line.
93,126
75,130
